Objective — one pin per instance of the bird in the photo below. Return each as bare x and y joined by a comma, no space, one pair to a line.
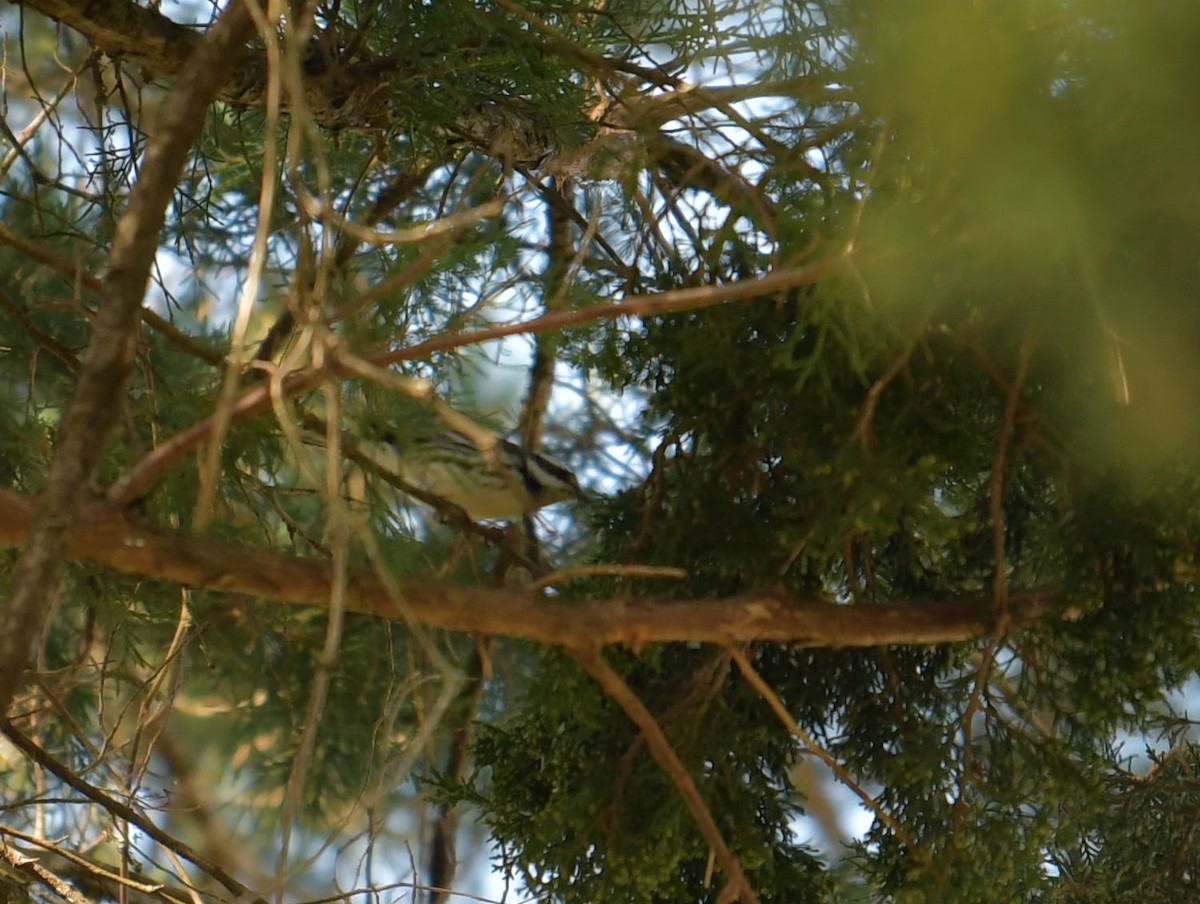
503,482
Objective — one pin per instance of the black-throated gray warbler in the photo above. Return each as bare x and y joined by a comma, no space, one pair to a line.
506,481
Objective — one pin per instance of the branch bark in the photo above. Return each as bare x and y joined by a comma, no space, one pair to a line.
737,888
358,91
95,403
257,399
103,538
338,96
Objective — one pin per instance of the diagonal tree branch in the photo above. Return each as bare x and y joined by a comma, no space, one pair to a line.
257,400
356,90
23,864
93,407
74,275
811,746
105,539
737,887
121,810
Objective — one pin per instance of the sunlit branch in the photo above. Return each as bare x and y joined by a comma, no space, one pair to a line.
105,539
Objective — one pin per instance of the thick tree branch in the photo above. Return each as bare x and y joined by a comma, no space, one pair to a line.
104,539
96,401
358,91
126,30
339,95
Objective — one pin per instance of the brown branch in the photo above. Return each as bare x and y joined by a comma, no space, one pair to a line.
125,30
103,538
866,415
737,887
765,691
120,810
443,861
692,298
253,402
74,275
24,864
257,400
95,404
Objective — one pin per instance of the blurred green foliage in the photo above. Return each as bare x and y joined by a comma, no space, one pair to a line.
1013,187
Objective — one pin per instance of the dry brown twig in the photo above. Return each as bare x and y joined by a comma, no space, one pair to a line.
256,400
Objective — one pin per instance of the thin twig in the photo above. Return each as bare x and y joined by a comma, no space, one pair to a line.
1000,597
95,402
655,305
996,482
756,681
660,748
74,275
122,811
866,416
451,225
256,400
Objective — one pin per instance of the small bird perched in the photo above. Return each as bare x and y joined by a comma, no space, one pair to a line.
506,481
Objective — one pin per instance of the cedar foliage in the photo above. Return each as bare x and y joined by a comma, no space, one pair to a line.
992,390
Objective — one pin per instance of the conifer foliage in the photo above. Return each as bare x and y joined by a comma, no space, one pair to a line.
870,331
